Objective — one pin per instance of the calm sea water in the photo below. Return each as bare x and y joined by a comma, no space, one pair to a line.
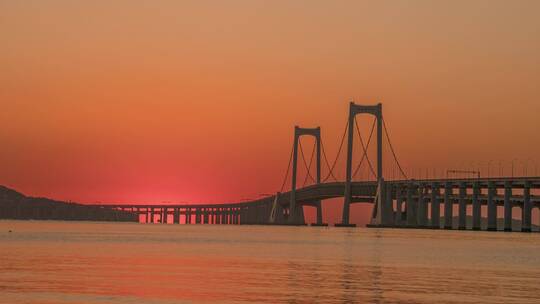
77,262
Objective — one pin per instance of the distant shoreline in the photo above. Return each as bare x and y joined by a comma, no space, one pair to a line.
16,206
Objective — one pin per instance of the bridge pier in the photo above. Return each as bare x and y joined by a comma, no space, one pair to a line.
435,206
187,219
164,215
205,216
507,206
176,216
388,210
477,207
223,216
448,205
422,208
197,216
399,202
492,207
411,206
527,208
152,215
280,214
462,215
218,216
319,215
234,216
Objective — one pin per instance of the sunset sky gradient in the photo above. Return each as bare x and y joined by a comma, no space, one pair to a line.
195,101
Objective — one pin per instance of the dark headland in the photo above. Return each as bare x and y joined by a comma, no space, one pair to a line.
15,205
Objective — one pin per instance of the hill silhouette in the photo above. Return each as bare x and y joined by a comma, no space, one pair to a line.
15,205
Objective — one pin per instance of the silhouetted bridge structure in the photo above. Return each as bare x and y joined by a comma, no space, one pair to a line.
403,202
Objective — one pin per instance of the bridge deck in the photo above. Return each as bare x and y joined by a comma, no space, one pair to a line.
362,192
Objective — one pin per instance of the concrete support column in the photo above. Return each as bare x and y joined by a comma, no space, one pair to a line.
279,217
492,207
421,215
435,206
319,213
197,216
477,207
462,206
507,206
399,201
146,216
527,208
388,211
188,216
218,216
204,216
176,218
448,205
164,215
411,206
240,216
152,215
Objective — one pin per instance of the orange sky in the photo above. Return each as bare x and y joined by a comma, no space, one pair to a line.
150,101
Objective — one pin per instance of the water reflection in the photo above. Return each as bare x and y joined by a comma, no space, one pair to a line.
55,262
375,271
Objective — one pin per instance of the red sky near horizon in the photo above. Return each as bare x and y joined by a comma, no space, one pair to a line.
195,101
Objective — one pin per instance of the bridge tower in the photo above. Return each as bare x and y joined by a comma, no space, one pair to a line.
296,213
354,109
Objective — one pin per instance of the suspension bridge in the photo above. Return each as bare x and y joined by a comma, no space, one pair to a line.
397,202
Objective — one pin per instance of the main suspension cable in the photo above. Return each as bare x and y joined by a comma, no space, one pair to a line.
392,149
365,154
304,160
287,172
364,147
310,162
337,155
330,173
